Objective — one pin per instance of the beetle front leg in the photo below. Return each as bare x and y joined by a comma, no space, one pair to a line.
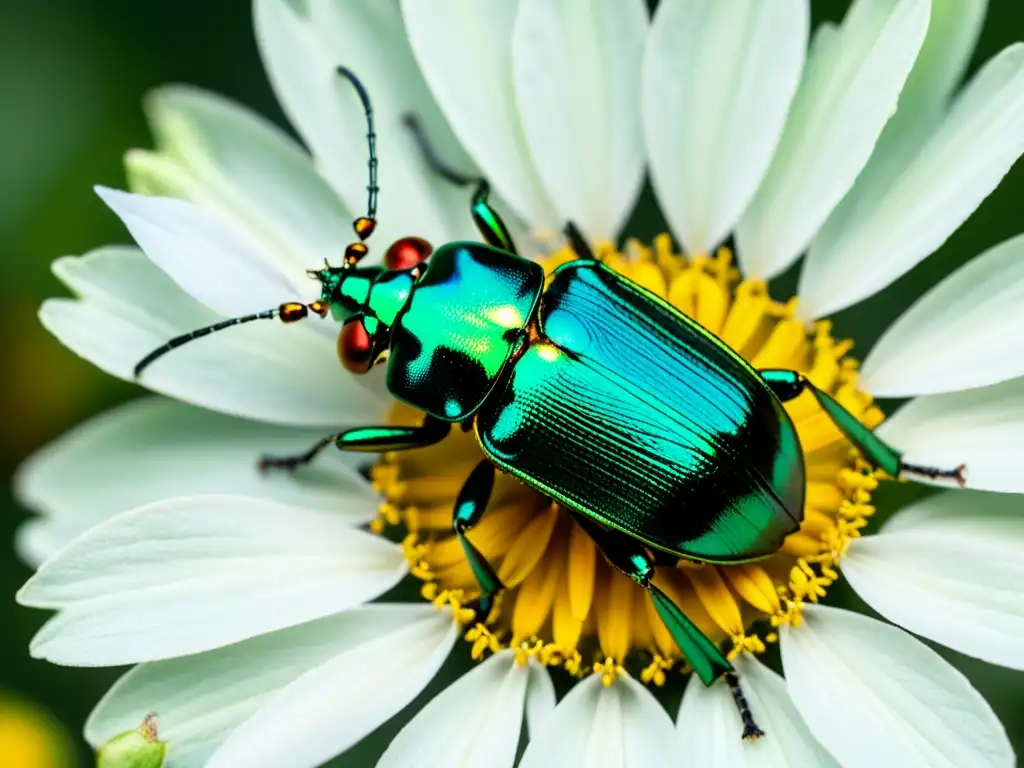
366,440
788,384
469,508
487,220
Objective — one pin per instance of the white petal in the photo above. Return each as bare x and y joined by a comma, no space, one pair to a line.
621,726
475,722
953,573
718,80
874,696
850,89
540,699
709,724
155,449
303,75
38,538
337,703
982,428
936,191
952,35
966,332
203,253
576,64
952,32
199,700
464,50
252,172
266,371
189,575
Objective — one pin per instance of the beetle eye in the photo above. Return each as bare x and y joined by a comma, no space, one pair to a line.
355,347
407,252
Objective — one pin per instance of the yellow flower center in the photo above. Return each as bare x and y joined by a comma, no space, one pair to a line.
31,738
563,604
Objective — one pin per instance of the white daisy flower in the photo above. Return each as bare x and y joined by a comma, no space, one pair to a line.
246,599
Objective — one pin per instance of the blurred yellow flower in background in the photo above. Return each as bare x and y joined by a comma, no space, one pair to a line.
30,737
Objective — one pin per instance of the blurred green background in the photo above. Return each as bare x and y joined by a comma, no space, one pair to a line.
72,76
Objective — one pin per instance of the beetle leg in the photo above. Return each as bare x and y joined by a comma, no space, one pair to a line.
578,242
469,508
485,217
751,732
629,556
788,384
366,440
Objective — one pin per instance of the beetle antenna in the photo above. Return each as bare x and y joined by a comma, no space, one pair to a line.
365,225
288,312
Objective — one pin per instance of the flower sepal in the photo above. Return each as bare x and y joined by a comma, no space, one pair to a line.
138,748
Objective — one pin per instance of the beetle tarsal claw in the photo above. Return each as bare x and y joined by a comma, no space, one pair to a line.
961,475
958,475
752,733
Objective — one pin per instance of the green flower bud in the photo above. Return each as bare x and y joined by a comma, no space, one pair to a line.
139,748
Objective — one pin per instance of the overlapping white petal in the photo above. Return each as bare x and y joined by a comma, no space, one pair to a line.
981,428
336,703
966,332
475,722
230,685
227,158
155,449
464,50
202,252
849,91
709,724
39,538
934,193
618,726
718,79
950,571
264,371
302,73
189,575
873,695
575,66
952,32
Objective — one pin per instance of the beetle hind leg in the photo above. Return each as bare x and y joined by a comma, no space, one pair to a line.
469,508
751,731
708,662
788,384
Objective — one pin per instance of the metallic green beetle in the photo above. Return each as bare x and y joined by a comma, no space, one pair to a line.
660,440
